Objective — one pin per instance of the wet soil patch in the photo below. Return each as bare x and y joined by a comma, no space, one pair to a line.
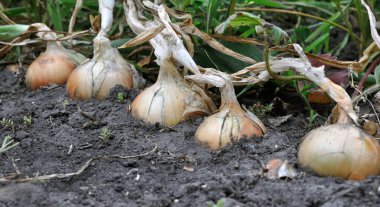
178,173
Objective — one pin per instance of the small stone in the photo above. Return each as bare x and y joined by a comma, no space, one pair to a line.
119,188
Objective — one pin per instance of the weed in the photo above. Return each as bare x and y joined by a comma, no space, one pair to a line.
120,97
105,134
65,102
51,121
261,110
27,120
8,143
7,123
219,203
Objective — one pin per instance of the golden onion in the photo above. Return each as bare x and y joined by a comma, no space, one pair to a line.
230,123
96,77
171,99
340,150
52,66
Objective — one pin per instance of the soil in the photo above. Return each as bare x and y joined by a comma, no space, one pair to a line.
178,172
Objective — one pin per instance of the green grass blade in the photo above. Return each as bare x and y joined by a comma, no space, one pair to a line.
322,29
211,11
269,3
317,44
55,15
11,31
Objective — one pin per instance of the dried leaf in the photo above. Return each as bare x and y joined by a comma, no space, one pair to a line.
372,21
278,121
239,39
370,127
371,51
266,31
278,168
188,168
143,37
317,96
95,22
355,66
191,29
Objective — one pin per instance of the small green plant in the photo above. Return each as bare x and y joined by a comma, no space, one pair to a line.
65,102
219,203
27,120
8,143
120,97
260,110
105,134
51,121
7,123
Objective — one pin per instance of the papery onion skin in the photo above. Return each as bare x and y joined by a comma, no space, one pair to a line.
170,100
96,77
51,67
226,127
230,123
340,150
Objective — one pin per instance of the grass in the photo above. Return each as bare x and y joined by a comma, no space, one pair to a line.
8,143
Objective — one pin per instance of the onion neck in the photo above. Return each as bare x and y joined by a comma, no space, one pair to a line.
168,71
343,117
229,99
54,46
103,49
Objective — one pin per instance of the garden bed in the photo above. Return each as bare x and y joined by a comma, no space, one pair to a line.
171,168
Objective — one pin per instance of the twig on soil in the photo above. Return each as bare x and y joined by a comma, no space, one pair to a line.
15,167
80,171
85,146
93,120
70,149
363,96
341,193
370,90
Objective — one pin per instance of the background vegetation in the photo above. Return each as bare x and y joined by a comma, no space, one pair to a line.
338,27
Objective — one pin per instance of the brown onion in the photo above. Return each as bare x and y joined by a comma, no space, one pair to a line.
94,78
52,66
171,99
230,123
340,150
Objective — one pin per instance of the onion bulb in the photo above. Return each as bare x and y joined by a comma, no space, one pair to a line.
340,150
54,65
230,123
94,78
171,99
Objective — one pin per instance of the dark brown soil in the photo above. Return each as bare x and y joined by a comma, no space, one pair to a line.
161,178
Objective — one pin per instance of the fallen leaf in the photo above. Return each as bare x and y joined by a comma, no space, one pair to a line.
278,121
14,68
370,127
188,168
277,168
